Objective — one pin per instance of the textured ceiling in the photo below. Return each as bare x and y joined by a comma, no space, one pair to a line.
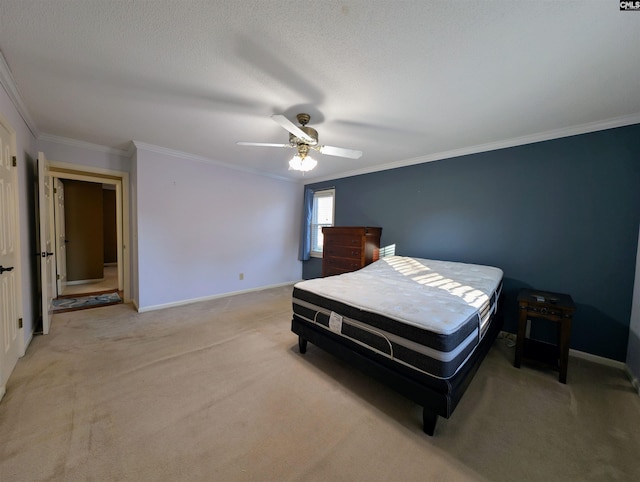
403,81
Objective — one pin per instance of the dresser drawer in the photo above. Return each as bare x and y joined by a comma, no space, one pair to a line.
347,264
332,250
333,270
546,310
343,240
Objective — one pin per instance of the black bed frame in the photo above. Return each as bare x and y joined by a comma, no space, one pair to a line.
437,397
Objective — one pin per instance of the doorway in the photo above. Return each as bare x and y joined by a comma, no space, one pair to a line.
86,237
93,257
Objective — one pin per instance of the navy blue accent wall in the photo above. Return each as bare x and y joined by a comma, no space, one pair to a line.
560,215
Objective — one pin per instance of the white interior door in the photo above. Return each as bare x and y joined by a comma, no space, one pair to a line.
60,236
47,272
9,258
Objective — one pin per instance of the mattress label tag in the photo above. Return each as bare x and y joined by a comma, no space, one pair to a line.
335,322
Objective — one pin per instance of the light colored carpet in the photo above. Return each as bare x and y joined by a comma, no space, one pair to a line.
217,391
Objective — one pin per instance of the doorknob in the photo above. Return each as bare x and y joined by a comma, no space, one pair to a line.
3,269
45,254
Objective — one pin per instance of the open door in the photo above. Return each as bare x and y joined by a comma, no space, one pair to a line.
60,236
9,259
46,244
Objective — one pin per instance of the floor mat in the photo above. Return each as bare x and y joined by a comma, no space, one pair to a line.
89,301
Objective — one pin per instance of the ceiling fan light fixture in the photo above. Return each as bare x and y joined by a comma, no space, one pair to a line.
304,164
304,139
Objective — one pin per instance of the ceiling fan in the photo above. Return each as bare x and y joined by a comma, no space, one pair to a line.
303,138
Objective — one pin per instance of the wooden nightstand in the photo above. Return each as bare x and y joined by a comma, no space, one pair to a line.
555,307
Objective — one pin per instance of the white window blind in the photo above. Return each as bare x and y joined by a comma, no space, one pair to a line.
322,215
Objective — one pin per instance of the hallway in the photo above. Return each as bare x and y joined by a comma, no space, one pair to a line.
109,282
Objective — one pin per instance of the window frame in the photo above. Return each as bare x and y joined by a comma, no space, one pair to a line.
331,192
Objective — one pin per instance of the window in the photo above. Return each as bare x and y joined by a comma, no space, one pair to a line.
321,215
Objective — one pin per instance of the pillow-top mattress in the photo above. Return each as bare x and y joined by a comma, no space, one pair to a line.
426,314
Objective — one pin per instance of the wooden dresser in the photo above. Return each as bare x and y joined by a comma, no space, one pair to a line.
348,248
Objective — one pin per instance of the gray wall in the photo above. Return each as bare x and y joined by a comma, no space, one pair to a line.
559,215
633,348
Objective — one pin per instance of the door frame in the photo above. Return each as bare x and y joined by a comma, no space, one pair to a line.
60,246
65,170
45,240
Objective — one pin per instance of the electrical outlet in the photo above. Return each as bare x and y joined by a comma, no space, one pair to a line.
241,276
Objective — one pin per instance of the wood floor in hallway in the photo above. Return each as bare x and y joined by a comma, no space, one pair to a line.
109,282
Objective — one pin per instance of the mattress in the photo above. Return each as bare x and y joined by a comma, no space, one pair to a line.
426,314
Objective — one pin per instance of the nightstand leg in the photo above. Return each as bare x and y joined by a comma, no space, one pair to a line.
522,329
565,334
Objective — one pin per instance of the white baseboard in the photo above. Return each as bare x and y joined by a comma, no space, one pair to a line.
207,298
578,354
23,348
84,281
590,357
597,359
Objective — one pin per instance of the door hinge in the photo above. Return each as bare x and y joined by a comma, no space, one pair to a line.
19,323
55,190
57,276
14,161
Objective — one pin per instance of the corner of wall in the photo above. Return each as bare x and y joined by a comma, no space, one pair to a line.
634,380
633,346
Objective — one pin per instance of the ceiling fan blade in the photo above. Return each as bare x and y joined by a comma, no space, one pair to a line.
340,152
291,127
261,144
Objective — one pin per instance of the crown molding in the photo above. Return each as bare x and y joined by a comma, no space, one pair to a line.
9,84
84,145
493,146
194,157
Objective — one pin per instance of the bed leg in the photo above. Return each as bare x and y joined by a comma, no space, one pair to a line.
429,420
302,344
